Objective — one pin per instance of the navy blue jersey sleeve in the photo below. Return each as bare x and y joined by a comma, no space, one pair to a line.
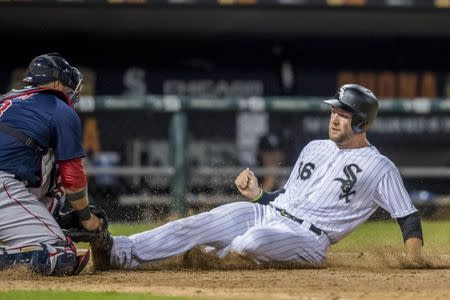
68,139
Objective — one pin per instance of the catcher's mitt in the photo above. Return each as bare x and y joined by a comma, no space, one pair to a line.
72,228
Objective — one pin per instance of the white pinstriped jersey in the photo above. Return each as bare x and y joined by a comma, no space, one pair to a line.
338,189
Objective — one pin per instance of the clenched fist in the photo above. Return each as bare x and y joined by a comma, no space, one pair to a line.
247,184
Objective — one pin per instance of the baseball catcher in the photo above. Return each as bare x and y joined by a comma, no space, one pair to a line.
41,172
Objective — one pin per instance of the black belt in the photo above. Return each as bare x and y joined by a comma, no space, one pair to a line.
284,213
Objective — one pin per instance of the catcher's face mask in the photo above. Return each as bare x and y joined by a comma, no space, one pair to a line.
76,85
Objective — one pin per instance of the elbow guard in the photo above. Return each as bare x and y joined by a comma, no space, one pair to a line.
411,227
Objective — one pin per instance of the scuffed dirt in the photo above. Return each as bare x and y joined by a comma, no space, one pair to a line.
378,274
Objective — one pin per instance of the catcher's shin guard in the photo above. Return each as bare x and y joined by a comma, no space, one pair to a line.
81,262
45,259
101,247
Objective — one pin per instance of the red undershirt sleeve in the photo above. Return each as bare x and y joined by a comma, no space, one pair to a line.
72,173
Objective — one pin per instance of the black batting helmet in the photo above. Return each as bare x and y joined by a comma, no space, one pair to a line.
360,102
52,67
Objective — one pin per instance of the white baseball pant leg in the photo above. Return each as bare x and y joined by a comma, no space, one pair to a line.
246,228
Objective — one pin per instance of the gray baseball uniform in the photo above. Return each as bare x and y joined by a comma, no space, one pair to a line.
36,128
330,192
25,215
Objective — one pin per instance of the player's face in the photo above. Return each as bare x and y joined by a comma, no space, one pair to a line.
340,127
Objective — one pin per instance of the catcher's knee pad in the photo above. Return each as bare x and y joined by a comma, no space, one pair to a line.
44,259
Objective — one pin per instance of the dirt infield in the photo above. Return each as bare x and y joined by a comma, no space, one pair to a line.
374,275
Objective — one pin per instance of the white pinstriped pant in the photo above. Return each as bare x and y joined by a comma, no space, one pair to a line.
257,231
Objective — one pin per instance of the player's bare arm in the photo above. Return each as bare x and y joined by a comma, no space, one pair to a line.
91,222
73,178
414,249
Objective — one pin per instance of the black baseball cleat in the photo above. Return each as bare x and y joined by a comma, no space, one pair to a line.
101,246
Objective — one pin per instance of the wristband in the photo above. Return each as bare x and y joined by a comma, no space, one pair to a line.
261,193
85,213
76,196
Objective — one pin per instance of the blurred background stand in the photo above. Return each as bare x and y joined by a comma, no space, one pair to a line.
179,95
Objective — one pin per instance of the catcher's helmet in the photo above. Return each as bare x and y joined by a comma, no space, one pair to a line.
52,67
360,102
